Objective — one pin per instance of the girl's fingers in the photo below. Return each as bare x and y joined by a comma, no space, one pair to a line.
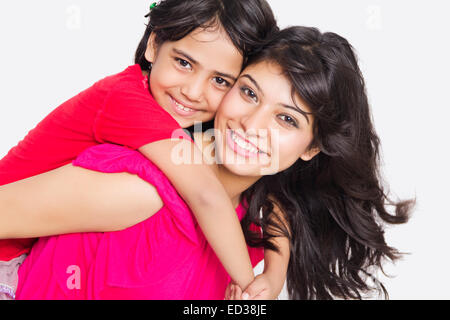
227,293
237,292
232,292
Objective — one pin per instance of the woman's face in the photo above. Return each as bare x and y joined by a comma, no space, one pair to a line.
261,127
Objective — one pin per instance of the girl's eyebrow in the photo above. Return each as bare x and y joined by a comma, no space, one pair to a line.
195,62
184,54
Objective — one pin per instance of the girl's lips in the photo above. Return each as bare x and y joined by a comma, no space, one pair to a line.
179,111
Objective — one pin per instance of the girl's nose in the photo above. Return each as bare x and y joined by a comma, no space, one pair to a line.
194,89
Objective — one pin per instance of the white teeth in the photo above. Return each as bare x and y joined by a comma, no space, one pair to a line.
181,107
244,145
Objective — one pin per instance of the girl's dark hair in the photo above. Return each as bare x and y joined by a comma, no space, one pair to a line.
333,207
247,22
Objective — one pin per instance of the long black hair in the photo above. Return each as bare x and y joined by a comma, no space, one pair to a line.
247,23
334,206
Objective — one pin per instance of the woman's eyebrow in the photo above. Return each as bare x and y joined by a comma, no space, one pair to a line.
249,77
195,62
305,114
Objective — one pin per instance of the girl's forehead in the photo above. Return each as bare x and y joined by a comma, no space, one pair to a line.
211,49
210,33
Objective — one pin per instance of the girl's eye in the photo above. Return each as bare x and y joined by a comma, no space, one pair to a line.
249,93
289,120
222,82
183,63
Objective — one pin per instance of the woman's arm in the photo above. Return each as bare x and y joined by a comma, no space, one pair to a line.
72,199
275,267
276,263
211,205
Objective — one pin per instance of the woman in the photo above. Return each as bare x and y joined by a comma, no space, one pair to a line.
300,106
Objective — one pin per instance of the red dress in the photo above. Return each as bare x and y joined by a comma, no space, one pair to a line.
118,109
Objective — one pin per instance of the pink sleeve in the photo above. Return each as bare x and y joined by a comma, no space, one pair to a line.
110,158
132,118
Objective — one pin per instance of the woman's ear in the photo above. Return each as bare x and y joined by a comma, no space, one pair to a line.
310,153
151,51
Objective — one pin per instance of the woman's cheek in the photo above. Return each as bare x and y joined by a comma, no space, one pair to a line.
230,102
290,150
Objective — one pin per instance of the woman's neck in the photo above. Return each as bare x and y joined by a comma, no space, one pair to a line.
234,184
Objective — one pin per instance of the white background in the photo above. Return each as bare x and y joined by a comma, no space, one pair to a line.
51,50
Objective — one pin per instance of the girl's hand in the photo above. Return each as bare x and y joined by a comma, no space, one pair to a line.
233,292
260,289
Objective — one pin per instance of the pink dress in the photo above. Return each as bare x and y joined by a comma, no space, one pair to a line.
164,257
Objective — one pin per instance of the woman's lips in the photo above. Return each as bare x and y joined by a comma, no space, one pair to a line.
242,146
181,109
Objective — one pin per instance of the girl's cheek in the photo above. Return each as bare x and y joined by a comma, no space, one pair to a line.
214,102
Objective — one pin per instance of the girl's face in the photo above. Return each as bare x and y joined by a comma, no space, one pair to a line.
190,77
261,127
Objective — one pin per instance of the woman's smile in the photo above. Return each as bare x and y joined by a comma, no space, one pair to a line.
241,146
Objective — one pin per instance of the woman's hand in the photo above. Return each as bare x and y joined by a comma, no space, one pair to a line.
261,288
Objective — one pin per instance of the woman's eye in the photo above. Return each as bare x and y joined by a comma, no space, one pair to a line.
183,63
249,93
222,82
289,120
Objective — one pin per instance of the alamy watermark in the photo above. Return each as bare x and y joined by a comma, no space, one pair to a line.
74,280
374,18
73,21
258,148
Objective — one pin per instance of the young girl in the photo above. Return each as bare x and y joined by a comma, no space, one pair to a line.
192,53
322,213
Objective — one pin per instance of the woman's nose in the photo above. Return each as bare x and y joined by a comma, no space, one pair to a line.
256,121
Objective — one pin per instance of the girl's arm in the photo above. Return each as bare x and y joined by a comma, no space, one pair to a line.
211,205
72,199
268,285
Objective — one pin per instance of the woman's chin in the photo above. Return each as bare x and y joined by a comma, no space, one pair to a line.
244,170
